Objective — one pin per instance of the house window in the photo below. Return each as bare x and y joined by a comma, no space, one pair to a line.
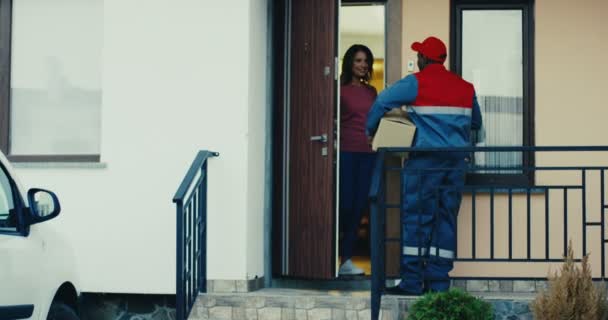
492,48
50,94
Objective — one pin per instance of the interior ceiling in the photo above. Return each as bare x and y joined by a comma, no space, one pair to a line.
362,20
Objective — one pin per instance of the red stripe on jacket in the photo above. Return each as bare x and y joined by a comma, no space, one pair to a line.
439,87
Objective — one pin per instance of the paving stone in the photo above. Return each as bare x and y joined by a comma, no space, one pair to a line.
524,286
351,315
319,314
461,284
293,305
251,314
220,313
365,314
331,303
238,313
338,314
230,301
404,305
356,303
256,284
288,314
305,302
269,314
255,302
224,286
206,301
242,286
542,285
494,286
281,302
387,315
478,285
388,302
601,285
301,314
506,286
199,312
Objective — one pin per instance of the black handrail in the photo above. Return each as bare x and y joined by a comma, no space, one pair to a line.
191,235
197,164
379,206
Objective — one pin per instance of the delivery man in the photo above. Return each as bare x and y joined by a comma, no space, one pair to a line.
444,109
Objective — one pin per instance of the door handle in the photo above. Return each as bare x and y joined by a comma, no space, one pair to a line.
322,138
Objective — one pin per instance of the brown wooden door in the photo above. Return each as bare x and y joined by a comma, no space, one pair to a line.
312,88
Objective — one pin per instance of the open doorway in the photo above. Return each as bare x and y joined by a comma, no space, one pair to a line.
310,38
361,25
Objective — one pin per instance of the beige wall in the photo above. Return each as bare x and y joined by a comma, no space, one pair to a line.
423,18
394,40
571,69
570,88
571,76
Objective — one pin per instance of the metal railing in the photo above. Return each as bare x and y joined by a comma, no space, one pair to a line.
544,191
191,245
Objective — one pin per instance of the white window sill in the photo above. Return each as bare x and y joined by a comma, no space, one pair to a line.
60,165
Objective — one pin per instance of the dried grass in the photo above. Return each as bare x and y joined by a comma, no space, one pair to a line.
572,294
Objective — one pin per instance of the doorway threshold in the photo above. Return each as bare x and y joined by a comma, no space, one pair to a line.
352,283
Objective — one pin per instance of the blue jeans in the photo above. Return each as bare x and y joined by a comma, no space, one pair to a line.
431,200
355,180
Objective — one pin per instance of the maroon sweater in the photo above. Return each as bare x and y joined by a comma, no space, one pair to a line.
355,102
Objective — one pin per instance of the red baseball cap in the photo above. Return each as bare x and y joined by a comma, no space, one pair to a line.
432,48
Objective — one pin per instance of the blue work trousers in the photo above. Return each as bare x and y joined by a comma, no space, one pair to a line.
431,197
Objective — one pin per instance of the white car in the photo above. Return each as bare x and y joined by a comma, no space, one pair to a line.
37,266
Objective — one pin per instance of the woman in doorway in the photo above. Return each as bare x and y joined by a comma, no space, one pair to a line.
356,155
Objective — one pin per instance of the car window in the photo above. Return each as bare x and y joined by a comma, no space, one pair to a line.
7,206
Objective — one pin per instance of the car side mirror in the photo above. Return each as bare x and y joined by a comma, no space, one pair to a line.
44,205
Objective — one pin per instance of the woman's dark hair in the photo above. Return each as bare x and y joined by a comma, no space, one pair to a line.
349,58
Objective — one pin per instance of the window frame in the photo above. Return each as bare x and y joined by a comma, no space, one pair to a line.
527,7
6,21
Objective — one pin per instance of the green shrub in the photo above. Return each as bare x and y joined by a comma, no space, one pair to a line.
451,305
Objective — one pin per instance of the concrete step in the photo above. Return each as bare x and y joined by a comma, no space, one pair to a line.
300,304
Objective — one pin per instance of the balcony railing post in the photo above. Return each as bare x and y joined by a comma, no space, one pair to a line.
376,271
584,201
203,236
382,231
377,236
602,221
179,281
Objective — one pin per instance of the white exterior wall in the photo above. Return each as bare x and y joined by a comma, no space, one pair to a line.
178,76
256,137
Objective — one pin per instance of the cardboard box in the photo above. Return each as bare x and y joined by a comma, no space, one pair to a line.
395,130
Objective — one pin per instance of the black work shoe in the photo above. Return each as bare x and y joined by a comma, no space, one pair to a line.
397,290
